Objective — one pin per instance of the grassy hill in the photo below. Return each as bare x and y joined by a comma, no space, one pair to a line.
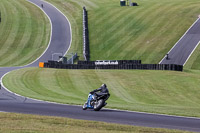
163,92
146,32
24,32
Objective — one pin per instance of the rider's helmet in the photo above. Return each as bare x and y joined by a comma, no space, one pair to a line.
103,85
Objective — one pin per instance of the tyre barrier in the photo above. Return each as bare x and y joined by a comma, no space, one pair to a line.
86,52
60,65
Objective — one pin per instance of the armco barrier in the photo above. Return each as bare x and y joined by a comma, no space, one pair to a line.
91,65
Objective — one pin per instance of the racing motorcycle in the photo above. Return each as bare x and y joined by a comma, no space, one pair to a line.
96,101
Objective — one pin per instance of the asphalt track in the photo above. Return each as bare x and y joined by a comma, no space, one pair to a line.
186,45
10,102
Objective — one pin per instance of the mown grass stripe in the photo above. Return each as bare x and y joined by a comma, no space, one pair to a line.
57,80
13,32
21,39
41,89
122,42
117,34
150,43
87,3
5,24
101,18
112,23
62,87
26,35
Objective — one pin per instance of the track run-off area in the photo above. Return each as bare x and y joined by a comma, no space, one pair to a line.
60,42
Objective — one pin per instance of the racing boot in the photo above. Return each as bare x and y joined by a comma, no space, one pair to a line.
104,104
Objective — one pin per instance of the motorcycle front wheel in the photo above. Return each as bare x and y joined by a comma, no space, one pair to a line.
85,106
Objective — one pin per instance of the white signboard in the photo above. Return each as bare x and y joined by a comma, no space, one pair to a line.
106,62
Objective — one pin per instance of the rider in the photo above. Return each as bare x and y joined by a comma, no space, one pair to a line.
103,90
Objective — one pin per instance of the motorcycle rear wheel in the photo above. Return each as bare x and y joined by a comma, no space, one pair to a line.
98,105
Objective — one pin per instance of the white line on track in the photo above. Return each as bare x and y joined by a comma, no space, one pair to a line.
180,39
191,53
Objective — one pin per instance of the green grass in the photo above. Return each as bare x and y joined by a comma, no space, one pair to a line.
18,123
165,92
146,32
24,32
194,61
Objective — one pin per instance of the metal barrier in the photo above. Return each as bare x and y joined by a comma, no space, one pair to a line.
71,60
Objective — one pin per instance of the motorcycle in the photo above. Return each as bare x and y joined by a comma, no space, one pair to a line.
96,101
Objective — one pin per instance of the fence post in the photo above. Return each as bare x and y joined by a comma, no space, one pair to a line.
0,16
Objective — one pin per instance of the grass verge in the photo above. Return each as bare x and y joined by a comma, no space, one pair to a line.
18,123
24,32
194,61
165,92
